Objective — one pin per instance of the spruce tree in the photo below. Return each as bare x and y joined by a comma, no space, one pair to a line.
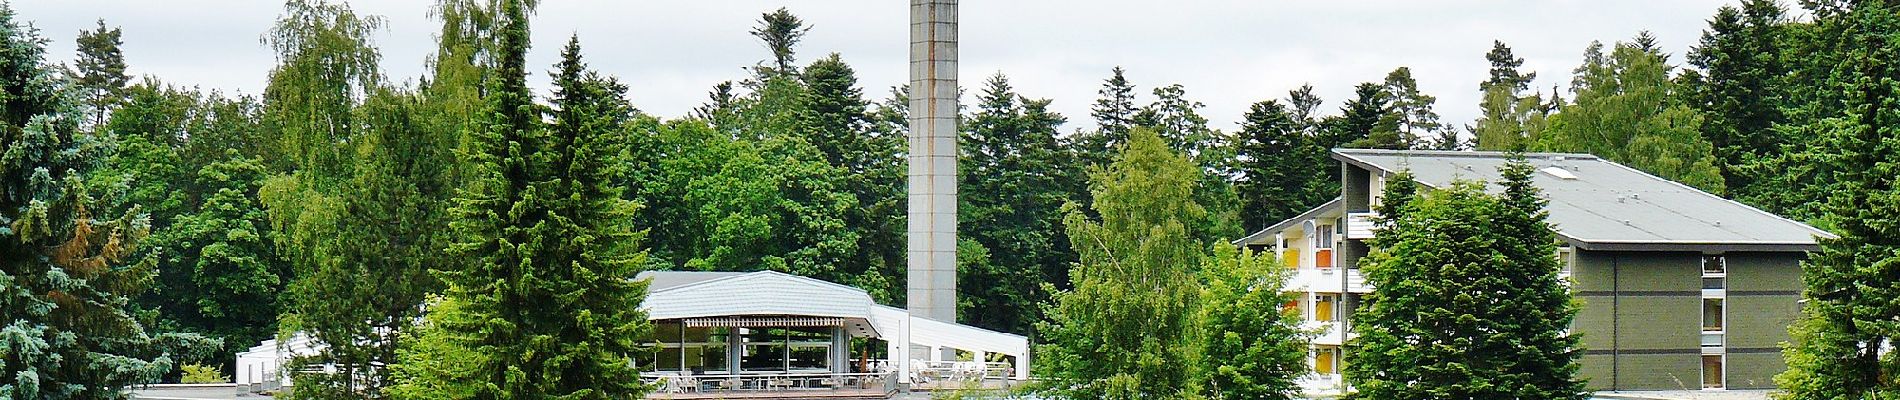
1740,86
1504,69
67,271
1273,167
1252,346
1011,154
544,304
1470,304
1114,113
1123,331
1840,347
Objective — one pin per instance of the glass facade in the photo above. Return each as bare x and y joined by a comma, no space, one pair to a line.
710,350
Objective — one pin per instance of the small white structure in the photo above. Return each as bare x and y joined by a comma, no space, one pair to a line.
712,325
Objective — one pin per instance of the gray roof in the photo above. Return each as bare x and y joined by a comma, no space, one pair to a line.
764,293
1605,205
663,280
1264,234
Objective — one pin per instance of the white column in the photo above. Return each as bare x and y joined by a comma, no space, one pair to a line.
932,257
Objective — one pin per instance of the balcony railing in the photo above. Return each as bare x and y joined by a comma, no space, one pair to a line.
1359,225
713,386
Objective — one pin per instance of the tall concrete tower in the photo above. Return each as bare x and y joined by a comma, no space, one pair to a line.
932,252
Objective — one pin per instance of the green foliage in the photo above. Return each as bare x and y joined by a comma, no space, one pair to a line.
1252,346
1412,114
780,31
1508,120
1848,319
1469,304
544,304
98,72
1369,120
1741,87
1123,332
68,265
1628,110
195,373
1011,154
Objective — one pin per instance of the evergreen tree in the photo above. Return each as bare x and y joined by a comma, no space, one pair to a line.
1412,113
1010,154
544,305
1368,121
1629,111
1840,346
839,123
1486,318
1504,69
1740,88
1252,345
1114,113
1508,120
1123,332
781,31
1273,167
67,273
99,70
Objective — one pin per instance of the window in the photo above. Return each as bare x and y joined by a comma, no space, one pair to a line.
1712,315
1323,237
1324,359
1714,265
1714,283
1566,260
1712,372
1323,307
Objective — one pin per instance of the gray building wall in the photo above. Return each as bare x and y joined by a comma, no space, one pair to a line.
1642,312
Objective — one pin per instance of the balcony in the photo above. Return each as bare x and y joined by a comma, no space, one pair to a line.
1331,333
772,386
1359,225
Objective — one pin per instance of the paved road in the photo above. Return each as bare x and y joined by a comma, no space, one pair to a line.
192,393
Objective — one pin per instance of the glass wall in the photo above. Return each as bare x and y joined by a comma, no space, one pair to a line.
690,349
710,350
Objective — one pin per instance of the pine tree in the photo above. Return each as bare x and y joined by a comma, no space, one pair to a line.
1629,111
1412,113
1840,346
1470,304
544,305
839,124
66,269
781,31
99,70
1504,69
1252,345
1123,331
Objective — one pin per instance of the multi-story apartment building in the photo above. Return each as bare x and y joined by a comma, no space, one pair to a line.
1681,289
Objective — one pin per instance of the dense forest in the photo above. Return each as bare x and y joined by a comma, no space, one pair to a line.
146,224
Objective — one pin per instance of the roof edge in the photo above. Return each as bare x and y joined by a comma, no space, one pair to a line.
1309,214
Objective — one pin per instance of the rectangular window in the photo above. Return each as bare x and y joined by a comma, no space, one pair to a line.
1323,237
1714,283
1323,359
1712,315
1714,265
1712,372
1323,307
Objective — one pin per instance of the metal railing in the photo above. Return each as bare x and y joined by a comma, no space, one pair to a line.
929,371
818,381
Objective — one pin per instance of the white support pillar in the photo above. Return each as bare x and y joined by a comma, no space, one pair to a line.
932,253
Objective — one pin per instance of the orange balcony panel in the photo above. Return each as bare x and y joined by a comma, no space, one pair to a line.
1324,258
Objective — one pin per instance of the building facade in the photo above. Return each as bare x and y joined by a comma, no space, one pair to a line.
1680,289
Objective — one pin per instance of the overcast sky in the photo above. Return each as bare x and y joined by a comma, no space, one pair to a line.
1228,54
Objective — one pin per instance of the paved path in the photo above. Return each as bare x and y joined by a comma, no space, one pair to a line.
1688,395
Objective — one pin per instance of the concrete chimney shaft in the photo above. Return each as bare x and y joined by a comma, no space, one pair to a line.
932,244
